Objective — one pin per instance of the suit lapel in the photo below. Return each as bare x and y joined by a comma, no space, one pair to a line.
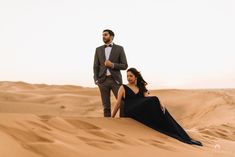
112,53
103,53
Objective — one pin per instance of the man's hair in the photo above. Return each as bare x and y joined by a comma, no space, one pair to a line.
111,33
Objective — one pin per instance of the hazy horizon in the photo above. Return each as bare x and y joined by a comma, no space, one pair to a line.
175,44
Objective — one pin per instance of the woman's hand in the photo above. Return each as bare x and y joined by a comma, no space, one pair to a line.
163,108
147,94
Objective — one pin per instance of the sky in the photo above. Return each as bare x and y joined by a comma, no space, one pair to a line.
173,43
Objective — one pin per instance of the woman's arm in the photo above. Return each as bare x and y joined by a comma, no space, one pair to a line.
119,100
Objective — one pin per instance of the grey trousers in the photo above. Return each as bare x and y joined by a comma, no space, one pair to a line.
105,90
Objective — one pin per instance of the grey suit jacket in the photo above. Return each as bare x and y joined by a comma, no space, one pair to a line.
117,56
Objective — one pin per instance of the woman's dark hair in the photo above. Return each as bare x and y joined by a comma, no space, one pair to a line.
111,33
141,83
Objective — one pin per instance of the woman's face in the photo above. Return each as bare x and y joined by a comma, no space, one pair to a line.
131,77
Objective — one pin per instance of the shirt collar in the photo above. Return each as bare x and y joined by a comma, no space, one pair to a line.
109,44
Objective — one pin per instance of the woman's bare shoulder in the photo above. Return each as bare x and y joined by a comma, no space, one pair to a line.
121,88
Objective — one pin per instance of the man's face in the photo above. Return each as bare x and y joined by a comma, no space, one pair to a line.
106,37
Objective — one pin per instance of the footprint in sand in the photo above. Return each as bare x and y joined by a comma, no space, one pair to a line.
82,125
120,134
99,132
157,143
38,125
209,137
25,136
45,118
113,137
99,143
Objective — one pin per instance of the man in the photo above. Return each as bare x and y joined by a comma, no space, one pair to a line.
108,61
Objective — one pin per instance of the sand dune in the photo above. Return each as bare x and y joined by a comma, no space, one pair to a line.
39,120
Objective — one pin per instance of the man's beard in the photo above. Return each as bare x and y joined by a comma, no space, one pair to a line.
106,40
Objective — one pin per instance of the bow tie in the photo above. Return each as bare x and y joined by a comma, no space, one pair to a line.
110,45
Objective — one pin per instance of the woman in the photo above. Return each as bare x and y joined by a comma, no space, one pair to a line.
148,109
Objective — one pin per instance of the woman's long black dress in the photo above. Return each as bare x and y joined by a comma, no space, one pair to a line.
147,110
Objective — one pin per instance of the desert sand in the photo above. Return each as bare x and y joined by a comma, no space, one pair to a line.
39,120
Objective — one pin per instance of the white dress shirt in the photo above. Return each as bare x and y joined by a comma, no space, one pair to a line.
107,55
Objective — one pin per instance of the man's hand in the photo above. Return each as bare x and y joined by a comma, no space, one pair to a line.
108,64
